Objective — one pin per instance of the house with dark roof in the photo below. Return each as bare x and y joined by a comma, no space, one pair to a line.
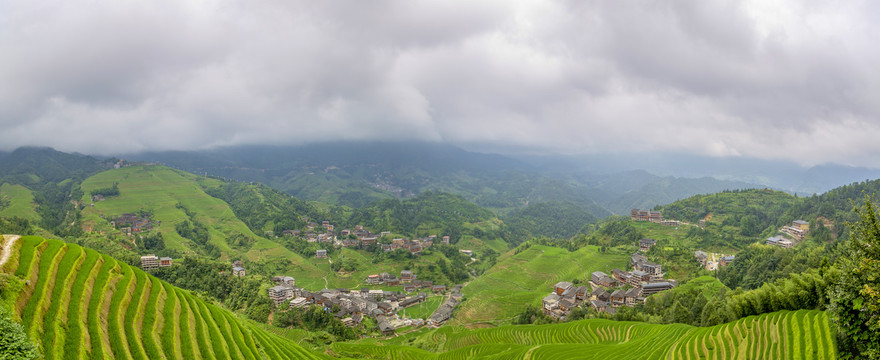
655,287
646,244
562,286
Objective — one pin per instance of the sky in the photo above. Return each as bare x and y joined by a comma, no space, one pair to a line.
768,79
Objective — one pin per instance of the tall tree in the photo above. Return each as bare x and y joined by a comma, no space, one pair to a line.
855,291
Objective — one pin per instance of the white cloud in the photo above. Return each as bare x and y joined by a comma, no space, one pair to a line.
780,79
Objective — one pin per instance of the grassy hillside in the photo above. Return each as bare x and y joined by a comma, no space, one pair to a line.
17,200
518,280
174,196
79,304
780,335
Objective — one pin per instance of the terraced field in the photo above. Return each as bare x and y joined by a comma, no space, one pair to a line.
160,190
782,335
17,200
524,278
79,304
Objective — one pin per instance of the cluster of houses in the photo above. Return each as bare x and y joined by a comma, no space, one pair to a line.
646,215
132,223
652,216
797,231
444,312
406,277
352,305
703,259
414,246
151,262
362,238
628,288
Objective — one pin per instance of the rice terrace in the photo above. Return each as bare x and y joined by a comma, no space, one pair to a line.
435,179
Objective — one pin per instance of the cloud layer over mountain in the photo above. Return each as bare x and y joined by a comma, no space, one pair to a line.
792,80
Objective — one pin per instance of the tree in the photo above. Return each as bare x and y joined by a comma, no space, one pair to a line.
14,343
855,289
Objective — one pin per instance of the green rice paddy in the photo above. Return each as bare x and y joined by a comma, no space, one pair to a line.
78,304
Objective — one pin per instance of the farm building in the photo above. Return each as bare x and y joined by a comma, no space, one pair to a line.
165,262
779,241
149,262
238,271
646,244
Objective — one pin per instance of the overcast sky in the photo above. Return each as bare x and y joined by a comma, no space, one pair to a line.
795,80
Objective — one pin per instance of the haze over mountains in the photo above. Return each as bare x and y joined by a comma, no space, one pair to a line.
355,173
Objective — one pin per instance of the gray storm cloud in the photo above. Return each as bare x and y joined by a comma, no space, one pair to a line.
792,80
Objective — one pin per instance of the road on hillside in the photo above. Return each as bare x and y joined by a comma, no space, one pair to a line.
6,247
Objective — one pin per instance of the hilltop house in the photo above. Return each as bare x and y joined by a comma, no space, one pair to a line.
779,241
602,279
321,254
702,257
646,244
562,287
646,215
165,261
727,260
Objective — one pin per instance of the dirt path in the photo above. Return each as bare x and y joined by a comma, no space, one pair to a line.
529,353
6,248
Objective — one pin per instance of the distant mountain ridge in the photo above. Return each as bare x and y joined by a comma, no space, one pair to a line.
359,173
781,175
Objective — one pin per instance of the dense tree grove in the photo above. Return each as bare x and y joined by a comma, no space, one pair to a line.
215,280
556,219
855,289
314,318
421,215
15,225
14,342
107,192
258,205
759,264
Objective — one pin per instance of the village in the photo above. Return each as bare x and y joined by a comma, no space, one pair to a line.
622,288
630,288
606,293
352,305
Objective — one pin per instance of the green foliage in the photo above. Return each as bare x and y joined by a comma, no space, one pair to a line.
151,242
14,342
855,290
759,264
748,212
213,279
259,205
612,232
198,233
556,219
777,335
15,225
108,191
532,315
523,277
123,310
422,215
314,318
